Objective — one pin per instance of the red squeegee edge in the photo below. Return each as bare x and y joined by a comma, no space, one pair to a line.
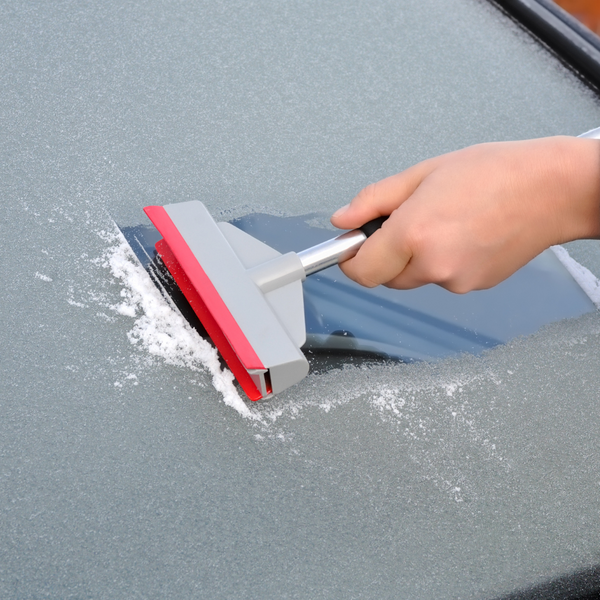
207,320
206,301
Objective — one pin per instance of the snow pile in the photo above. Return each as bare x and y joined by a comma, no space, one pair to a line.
160,329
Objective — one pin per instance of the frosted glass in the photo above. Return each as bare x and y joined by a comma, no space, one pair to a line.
124,475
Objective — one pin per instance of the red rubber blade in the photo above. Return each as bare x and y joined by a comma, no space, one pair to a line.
208,321
206,302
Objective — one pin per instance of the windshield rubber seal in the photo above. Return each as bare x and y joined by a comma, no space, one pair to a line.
572,42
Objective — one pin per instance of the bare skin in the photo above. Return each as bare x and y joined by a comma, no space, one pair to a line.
469,219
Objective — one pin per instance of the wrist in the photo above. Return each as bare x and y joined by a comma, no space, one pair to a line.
578,197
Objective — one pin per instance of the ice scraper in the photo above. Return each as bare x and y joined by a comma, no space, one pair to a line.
247,295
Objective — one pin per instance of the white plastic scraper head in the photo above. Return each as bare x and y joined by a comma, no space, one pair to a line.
247,295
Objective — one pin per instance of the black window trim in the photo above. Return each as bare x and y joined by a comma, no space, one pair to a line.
572,42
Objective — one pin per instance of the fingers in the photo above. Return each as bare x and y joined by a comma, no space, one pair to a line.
381,198
382,257
387,252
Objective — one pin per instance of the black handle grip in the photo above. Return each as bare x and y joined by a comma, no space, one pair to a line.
372,226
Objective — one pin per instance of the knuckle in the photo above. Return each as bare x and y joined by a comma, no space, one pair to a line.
441,273
367,194
400,284
418,236
358,275
458,285
365,281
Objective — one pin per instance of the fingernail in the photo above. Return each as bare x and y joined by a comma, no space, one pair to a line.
340,211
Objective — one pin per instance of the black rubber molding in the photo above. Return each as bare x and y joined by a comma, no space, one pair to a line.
576,45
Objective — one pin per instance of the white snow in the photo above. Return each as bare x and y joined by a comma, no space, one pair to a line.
160,329
588,282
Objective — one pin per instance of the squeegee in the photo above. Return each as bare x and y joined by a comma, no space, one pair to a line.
247,295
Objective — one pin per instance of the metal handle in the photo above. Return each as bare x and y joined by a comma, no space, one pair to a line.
338,249
592,134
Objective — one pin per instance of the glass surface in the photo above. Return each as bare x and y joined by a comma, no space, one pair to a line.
123,470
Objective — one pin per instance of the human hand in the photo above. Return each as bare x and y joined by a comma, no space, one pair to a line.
469,219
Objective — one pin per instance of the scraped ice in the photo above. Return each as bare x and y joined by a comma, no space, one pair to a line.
588,282
159,328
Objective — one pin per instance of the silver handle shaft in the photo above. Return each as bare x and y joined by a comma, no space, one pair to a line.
331,252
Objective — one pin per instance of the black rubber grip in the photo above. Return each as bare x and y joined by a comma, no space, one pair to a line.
372,226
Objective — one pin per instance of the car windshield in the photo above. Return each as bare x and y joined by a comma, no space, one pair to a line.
131,464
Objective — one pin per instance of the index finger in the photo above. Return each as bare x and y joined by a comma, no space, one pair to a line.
380,199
